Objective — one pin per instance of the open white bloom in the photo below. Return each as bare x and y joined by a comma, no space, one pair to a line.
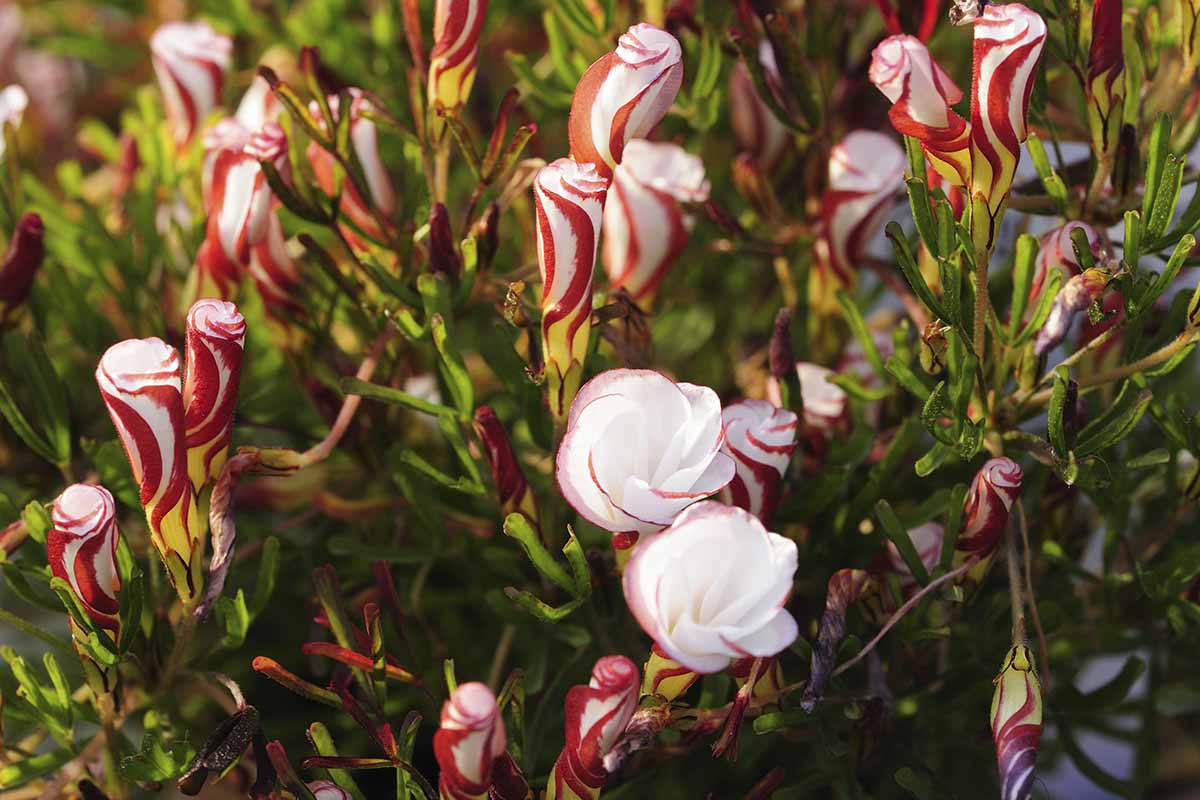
711,588
640,448
13,102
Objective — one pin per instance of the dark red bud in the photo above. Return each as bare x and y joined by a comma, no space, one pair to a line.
21,260
443,257
506,470
780,358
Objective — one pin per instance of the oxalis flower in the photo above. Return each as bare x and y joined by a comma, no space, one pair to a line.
1057,252
469,741
623,95
985,513
1106,68
569,199
507,475
1008,44
921,94
456,28
216,332
20,262
760,439
1017,722
139,380
755,127
13,102
640,448
711,588
190,60
645,227
596,716
239,210
866,171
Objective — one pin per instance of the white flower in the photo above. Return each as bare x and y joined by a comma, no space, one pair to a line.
825,404
711,588
13,102
640,448
760,438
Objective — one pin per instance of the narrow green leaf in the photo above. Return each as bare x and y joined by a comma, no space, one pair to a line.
908,266
858,327
890,523
1023,269
1057,410
906,377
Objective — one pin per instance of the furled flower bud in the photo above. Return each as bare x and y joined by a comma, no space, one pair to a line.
443,257
225,134
985,513
1017,722
596,716
328,790
921,94
624,95
781,359
1079,293
1056,252
639,448
364,140
190,60
270,143
866,171
13,102
216,332
274,270
1106,66
456,28
678,581
760,439
757,130
826,405
140,384
645,228
239,210
1008,44
469,741
513,488
258,107
846,587
20,263
927,541
569,197
665,677
82,550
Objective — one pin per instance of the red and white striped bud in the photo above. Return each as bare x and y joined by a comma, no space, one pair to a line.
1079,293
596,716
760,439
826,405
328,790
846,587
1008,43
921,94
665,677
140,383
190,60
866,171
757,130
216,332
364,139
513,488
456,28
13,102
239,211
624,95
20,263
645,227
1017,723
1106,68
569,197
82,550
469,741
259,106
1056,252
995,488
224,134
274,271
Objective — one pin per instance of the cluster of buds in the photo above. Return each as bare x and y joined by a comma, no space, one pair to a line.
1017,722
645,226
639,448
176,435
866,172
456,28
468,743
985,514
596,716
1077,295
982,155
13,102
507,475
1105,75
760,439
621,97
82,550
190,60
19,264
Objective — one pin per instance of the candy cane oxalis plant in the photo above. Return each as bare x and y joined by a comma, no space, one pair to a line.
463,399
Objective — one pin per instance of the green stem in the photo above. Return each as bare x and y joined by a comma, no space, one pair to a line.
982,302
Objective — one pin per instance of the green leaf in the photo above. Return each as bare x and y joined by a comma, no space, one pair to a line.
1156,160
1164,279
1053,283
1023,269
268,568
37,521
1106,431
413,459
1062,393
33,399
387,394
858,327
890,523
518,526
912,273
154,763
935,408
906,377
1131,248
25,770
954,518
543,611
452,368
1166,198
322,743
935,458
1050,179
234,617
922,211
